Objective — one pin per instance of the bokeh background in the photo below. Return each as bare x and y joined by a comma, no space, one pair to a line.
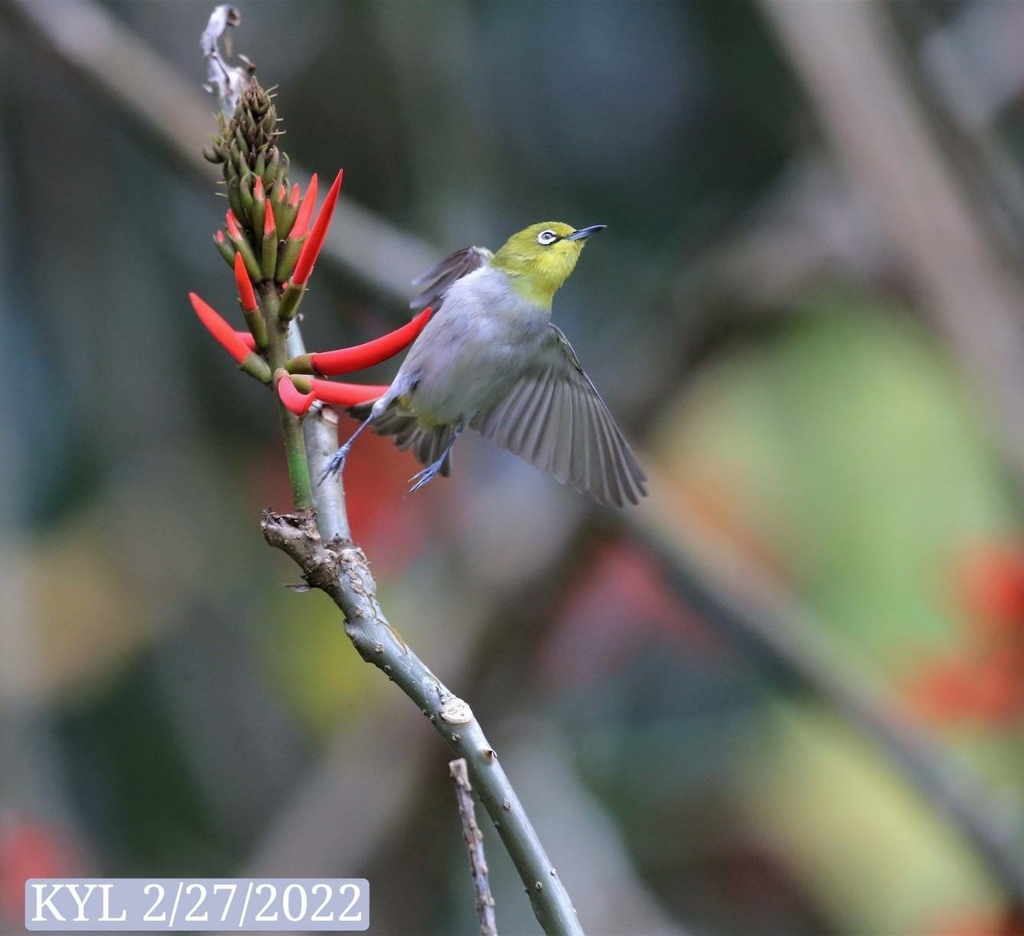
784,697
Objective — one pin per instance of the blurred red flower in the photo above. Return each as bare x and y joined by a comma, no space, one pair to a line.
984,683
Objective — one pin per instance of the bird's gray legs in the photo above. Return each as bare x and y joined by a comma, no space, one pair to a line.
337,462
430,472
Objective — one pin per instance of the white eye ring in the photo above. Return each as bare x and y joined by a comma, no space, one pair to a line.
547,237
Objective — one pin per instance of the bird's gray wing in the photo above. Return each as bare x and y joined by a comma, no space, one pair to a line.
440,276
555,419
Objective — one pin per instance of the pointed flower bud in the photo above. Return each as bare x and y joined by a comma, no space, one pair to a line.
230,340
250,308
245,192
226,250
248,361
311,250
241,244
219,328
273,164
246,294
287,212
287,255
259,203
235,197
268,255
301,225
372,352
291,296
268,223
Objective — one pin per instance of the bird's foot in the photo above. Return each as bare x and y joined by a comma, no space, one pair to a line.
427,474
337,463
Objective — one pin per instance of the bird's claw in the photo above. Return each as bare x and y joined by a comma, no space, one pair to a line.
423,476
336,464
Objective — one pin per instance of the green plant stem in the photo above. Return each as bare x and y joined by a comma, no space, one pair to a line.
291,426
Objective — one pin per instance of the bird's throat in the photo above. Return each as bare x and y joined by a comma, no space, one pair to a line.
536,291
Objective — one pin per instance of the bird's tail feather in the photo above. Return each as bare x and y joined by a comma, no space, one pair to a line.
426,444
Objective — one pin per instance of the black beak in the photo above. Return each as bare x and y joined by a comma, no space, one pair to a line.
584,233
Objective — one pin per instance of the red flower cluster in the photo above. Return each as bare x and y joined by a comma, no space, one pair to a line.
289,249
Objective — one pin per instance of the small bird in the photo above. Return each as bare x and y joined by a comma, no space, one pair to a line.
490,360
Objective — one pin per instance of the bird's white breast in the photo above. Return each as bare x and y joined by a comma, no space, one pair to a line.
472,352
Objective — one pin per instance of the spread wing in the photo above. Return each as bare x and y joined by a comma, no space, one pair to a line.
440,276
555,419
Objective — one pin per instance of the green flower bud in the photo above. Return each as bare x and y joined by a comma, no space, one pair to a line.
245,191
259,206
257,327
282,172
248,256
270,174
287,257
256,367
290,302
235,199
225,248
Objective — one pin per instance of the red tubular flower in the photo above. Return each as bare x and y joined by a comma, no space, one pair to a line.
372,352
345,394
220,329
292,214
301,225
246,295
311,249
247,339
291,397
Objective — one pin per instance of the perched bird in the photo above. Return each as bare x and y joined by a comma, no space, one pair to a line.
491,360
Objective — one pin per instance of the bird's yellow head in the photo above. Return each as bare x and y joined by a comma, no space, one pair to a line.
539,259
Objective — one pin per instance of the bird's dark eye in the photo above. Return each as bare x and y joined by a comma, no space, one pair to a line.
547,237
